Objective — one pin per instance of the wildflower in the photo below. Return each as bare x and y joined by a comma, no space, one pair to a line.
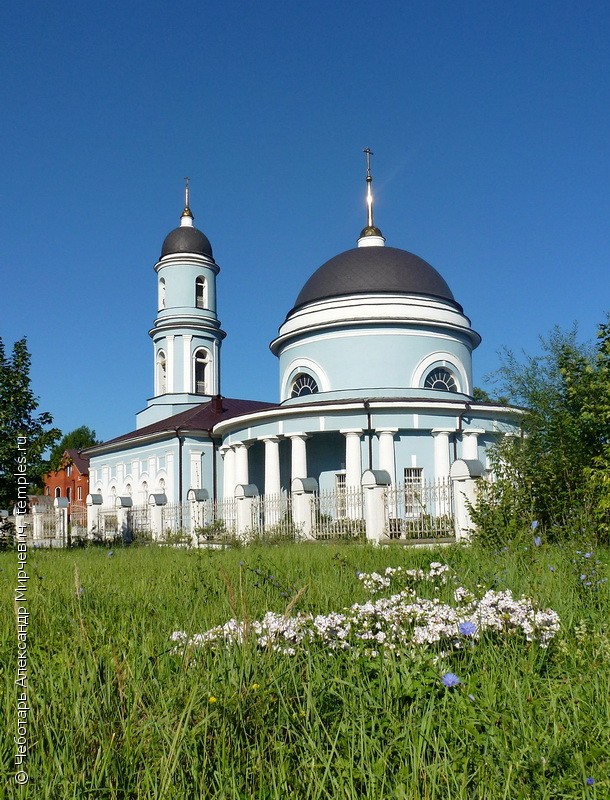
472,697
450,680
467,628
110,553
534,524
590,781
80,591
537,541
212,699
254,686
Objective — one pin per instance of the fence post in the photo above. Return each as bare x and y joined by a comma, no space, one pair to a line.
303,492
374,484
37,522
156,501
61,521
244,496
123,514
465,475
94,503
197,498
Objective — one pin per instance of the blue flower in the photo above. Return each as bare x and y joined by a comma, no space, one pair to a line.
467,628
450,680
537,541
110,554
590,781
588,555
534,524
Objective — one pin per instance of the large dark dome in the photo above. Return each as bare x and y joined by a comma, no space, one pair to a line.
186,240
374,270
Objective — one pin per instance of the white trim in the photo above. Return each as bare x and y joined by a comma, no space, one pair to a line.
278,415
170,362
441,359
303,365
187,339
374,310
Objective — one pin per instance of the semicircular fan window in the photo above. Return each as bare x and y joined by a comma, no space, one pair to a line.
303,384
441,380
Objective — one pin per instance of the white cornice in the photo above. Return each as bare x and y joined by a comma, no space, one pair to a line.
373,310
313,409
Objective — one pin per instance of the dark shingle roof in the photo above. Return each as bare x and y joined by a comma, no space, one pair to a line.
373,270
187,240
201,418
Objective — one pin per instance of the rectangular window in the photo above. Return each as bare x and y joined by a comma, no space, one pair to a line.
69,470
413,490
341,501
80,492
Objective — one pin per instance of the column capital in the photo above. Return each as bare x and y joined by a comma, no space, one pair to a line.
437,431
352,431
379,431
302,436
269,438
473,431
224,449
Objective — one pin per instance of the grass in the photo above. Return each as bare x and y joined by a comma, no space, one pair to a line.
116,714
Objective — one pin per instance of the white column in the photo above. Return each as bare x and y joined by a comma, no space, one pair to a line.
470,443
228,481
187,368
387,459
353,458
272,465
241,463
298,456
441,452
169,364
214,367
353,473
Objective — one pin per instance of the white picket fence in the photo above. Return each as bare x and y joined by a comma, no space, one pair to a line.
422,511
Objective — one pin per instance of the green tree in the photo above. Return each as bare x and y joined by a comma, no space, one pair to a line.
77,439
555,472
24,436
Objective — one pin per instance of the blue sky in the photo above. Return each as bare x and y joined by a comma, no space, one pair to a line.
490,123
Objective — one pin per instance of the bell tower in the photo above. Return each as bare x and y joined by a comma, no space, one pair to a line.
186,335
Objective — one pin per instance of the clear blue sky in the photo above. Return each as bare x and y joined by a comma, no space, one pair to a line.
490,123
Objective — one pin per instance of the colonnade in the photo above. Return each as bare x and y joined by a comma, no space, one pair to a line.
235,456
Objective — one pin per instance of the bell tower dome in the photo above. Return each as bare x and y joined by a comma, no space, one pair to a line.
186,335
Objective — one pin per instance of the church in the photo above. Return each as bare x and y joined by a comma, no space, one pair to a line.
375,373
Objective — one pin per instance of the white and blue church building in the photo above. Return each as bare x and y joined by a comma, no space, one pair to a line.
375,373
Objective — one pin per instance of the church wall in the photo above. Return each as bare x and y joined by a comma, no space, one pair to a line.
152,468
373,358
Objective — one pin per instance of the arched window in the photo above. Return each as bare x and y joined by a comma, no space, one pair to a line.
441,380
128,490
69,493
58,492
200,298
144,493
303,384
200,364
161,293
161,373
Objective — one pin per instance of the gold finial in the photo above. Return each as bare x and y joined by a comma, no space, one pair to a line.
370,229
187,208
